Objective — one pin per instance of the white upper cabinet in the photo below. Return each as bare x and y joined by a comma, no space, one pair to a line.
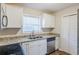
48,21
15,16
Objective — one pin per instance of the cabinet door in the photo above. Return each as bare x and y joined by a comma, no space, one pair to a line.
38,47
14,14
73,34
43,47
3,19
25,48
33,48
48,21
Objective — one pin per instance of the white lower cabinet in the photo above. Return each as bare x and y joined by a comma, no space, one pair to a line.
25,48
38,47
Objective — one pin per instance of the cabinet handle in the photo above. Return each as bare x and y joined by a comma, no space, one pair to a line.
3,10
4,25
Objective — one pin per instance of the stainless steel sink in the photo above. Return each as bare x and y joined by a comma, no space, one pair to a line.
34,37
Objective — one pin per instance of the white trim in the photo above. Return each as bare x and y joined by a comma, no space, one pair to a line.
39,17
70,14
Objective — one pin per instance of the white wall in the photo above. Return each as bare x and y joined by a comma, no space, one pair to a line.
58,16
27,10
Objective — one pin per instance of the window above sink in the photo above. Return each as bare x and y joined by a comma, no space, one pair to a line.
31,24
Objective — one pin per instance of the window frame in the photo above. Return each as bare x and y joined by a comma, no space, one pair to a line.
27,15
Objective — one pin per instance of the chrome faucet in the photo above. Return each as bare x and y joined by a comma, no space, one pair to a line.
32,35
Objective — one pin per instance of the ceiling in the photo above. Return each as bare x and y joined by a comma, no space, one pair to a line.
49,7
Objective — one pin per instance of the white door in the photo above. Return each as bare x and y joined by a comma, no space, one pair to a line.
73,35
65,34
69,34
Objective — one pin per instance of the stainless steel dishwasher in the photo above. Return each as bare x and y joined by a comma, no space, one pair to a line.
50,45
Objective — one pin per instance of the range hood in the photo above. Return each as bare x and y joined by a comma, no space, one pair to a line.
47,29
